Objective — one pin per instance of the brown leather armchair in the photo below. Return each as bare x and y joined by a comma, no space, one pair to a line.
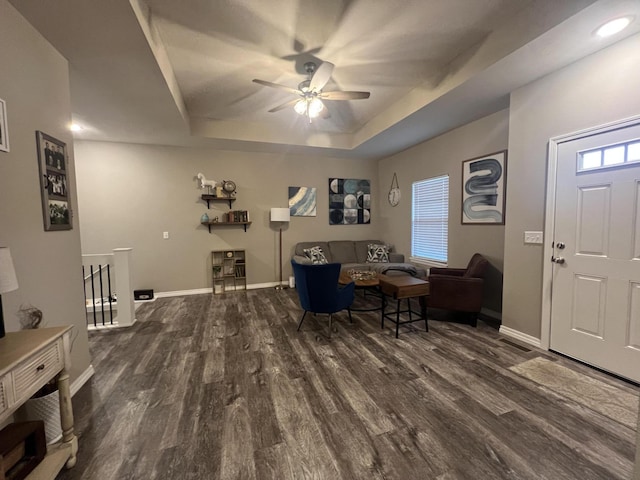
459,289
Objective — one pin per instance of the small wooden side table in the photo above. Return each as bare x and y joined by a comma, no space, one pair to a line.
404,287
28,360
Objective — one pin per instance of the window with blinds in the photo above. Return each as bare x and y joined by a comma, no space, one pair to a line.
430,220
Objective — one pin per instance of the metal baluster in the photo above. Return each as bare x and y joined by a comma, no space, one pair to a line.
109,284
93,298
101,294
84,288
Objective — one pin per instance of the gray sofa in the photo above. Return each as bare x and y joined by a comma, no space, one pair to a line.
353,255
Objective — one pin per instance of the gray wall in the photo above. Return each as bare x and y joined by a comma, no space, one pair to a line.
130,194
35,85
439,156
598,89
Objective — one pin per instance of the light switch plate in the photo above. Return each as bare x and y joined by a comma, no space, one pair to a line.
165,235
533,237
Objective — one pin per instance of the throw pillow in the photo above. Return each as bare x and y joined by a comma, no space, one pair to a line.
377,253
316,255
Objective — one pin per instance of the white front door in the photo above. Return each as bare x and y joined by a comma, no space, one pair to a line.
595,298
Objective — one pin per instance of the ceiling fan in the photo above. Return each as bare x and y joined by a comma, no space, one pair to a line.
309,91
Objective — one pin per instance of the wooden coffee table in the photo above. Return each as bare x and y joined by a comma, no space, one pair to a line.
360,283
370,284
404,287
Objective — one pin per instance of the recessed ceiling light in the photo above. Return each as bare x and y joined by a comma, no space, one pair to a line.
75,127
613,26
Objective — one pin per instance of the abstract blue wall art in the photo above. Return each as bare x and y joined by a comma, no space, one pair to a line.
349,201
483,189
302,201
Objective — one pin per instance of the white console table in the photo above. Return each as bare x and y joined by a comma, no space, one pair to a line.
28,360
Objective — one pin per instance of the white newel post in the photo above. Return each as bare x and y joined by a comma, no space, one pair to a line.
124,286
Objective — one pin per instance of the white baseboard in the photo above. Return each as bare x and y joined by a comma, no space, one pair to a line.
109,326
114,306
137,303
81,380
201,291
180,293
256,286
523,337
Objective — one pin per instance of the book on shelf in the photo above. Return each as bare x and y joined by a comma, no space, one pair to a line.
237,216
240,271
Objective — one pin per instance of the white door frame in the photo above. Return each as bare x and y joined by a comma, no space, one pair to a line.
549,223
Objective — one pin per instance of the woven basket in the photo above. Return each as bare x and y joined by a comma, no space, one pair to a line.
46,408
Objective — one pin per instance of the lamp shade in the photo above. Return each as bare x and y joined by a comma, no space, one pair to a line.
280,215
8,280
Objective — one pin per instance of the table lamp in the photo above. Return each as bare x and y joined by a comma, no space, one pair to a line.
8,280
280,215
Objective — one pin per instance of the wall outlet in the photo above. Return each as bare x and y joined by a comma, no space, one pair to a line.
165,235
533,237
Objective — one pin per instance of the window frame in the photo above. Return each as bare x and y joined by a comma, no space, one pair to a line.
580,168
440,229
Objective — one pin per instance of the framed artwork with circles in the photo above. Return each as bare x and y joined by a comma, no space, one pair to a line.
349,201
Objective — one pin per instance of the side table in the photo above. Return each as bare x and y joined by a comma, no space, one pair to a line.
28,360
404,287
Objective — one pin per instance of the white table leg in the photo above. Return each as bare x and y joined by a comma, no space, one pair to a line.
66,417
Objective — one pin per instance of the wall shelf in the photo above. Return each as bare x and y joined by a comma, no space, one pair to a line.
214,198
225,224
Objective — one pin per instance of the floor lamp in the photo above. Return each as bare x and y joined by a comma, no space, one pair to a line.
8,280
280,215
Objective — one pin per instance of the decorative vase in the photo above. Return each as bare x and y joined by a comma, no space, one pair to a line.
204,218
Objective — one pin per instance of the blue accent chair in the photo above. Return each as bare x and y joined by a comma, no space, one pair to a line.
319,291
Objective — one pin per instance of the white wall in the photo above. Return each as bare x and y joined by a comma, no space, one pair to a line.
439,156
598,89
35,84
130,194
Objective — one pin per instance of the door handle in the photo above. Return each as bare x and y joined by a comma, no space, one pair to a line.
559,260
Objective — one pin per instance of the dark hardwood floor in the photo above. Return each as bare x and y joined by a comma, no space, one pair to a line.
223,387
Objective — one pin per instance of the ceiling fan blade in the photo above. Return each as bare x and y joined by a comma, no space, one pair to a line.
288,104
277,85
321,76
337,95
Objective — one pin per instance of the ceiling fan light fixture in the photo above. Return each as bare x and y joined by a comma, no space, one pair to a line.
301,107
310,91
315,107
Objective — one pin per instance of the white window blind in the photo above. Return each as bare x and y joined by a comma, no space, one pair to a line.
430,219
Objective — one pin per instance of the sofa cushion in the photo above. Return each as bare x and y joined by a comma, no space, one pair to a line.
323,245
316,255
396,265
396,257
343,251
377,253
362,247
